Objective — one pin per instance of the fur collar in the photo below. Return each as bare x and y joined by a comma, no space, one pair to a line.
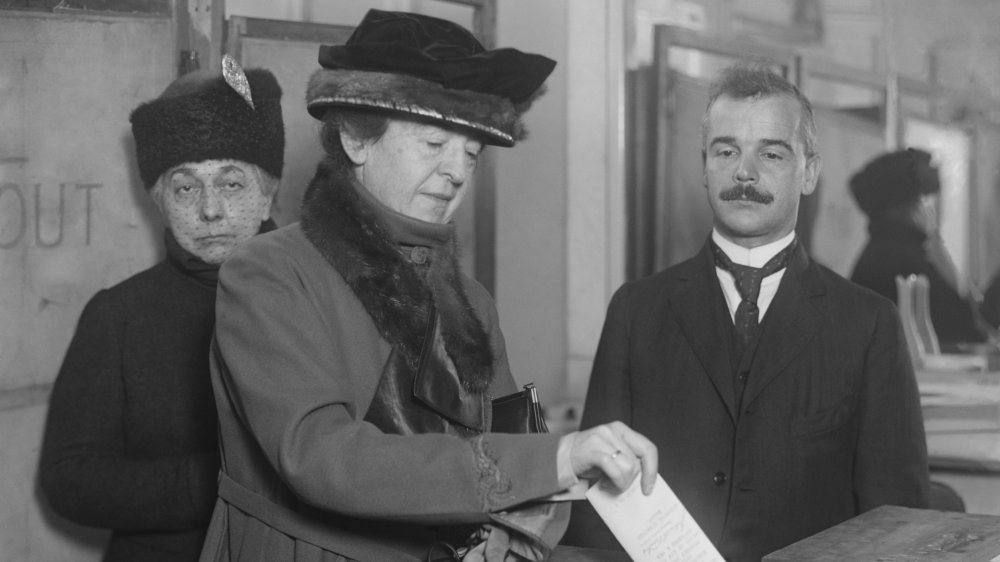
349,235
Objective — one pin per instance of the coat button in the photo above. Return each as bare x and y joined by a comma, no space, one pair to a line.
742,377
719,478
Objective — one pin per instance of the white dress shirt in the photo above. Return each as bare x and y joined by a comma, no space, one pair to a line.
753,257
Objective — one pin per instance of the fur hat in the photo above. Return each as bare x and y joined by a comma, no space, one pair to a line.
204,116
429,67
894,179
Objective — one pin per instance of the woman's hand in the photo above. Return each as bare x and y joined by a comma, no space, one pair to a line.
613,451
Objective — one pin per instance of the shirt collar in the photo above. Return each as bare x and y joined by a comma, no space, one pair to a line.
753,257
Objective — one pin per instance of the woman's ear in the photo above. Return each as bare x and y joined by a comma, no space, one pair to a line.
269,204
156,194
357,150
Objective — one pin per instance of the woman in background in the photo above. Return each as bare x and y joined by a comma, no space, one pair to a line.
131,438
900,192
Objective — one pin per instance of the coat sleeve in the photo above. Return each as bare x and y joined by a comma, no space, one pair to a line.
293,360
85,471
891,462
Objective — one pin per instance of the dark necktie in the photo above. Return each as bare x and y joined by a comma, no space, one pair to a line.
748,281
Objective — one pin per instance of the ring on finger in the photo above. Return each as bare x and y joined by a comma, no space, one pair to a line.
615,454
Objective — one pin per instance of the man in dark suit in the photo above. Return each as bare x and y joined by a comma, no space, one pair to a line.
782,399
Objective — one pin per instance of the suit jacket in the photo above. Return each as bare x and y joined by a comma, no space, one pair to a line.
829,425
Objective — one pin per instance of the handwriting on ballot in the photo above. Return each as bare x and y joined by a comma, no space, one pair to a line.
653,528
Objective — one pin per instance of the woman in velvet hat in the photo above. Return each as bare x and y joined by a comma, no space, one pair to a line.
354,363
131,441
900,193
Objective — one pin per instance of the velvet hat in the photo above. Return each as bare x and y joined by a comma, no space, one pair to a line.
893,180
432,68
211,115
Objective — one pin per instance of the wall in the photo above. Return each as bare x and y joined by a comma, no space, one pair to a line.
954,44
73,219
531,207
596,199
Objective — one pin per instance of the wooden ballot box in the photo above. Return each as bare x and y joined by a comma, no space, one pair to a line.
896,534
576,554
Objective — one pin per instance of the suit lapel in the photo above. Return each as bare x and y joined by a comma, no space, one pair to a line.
791,321
699,308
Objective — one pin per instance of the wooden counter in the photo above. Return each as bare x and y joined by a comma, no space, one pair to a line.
575,554
897,534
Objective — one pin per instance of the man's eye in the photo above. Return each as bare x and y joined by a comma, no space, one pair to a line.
772,156
184,189
725,152
233,185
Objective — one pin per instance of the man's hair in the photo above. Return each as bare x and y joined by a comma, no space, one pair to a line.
756,79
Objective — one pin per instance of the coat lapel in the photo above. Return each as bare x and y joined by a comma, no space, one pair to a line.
700,310
791,321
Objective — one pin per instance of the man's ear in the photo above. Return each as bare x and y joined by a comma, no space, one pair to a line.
357,150
813,166
704,169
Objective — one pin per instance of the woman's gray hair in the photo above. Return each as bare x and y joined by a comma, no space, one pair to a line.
362,124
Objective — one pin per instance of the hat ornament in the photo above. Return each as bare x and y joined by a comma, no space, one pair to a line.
233,74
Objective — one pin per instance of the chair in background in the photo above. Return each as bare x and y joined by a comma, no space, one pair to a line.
922,315
943,497
913,300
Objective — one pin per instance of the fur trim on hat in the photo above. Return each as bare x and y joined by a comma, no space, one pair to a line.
494,117
210,121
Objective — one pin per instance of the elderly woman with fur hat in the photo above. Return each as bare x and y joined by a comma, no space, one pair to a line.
899,191
354,364
131,440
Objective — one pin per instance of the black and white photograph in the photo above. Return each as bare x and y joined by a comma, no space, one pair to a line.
499,280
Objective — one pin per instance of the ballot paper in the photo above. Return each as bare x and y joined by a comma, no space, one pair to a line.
653,528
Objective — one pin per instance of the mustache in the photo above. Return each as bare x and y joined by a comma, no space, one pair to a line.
745,192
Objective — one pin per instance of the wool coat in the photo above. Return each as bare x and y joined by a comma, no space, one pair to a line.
829,424
991,303
130,441
296,364
897,249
